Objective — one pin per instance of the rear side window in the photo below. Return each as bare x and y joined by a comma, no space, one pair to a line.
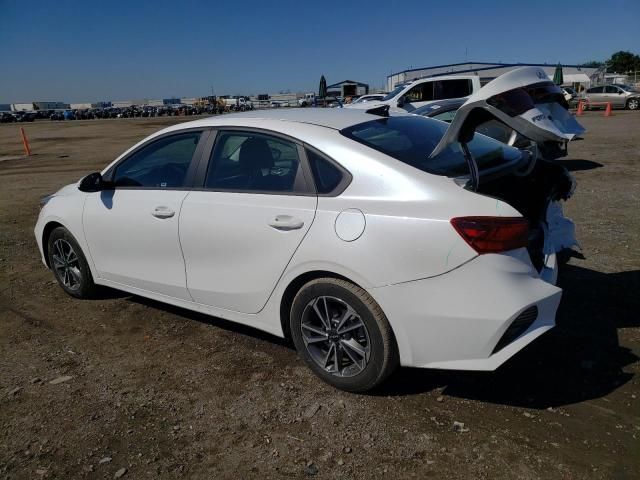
247,161
595,90
326,175
443,89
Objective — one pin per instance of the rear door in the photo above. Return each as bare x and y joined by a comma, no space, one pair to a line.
240,229
523,99
595,94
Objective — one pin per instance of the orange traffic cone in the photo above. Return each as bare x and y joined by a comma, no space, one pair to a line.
607,112
580,109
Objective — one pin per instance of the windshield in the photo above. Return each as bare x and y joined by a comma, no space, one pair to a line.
411,139
626,88
394,92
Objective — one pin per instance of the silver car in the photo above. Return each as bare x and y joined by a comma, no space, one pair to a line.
619,95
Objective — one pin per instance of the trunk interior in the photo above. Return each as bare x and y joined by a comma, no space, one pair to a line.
531,195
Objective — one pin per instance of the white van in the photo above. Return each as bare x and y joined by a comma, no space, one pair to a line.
411,95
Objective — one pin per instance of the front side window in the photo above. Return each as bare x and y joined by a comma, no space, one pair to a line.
411,140
161,164
247,161
611,89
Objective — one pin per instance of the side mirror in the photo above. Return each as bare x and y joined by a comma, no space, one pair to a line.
402,101
92,183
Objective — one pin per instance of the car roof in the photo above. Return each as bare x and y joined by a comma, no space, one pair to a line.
334,118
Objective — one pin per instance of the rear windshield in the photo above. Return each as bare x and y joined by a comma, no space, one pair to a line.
411,139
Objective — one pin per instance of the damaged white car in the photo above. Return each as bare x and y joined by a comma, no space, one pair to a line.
370,240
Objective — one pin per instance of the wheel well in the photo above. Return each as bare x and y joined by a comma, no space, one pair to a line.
48,228
293,288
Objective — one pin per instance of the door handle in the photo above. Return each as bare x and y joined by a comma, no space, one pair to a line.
286,223
163,212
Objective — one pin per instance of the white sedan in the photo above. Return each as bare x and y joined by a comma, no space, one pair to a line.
370,240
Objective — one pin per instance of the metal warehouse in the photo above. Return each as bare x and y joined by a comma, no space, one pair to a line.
347,88
576,75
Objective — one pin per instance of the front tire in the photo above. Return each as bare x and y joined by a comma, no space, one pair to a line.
342,334
633,104
69,264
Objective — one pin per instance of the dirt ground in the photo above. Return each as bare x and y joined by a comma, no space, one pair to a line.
165,393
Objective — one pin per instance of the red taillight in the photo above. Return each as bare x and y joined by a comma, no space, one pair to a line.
493,234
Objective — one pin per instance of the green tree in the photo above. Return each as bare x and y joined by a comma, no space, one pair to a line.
623,62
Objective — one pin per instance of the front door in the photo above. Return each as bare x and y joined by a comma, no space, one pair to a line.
132,230
614,95
240,231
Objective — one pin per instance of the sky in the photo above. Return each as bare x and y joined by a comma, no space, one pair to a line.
75,51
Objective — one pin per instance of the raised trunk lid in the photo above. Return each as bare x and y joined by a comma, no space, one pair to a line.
523,99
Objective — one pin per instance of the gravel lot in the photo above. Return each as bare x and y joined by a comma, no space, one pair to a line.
126,386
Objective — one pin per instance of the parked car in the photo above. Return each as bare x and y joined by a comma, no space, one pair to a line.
569,94
370,240
415,94
620,96
7,117
370,97
25,116
278,104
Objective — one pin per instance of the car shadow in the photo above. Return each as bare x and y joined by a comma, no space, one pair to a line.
211,321
579,164
580,359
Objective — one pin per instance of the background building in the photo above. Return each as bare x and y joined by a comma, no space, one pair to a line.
347,88
574,75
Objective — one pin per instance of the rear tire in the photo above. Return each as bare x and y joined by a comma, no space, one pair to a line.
342,334
69,265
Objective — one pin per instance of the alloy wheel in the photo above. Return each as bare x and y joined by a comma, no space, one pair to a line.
335,336
66,264
634,104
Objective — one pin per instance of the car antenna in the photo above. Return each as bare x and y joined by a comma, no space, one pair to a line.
381,111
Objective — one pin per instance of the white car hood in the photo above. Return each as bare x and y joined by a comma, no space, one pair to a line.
544,122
